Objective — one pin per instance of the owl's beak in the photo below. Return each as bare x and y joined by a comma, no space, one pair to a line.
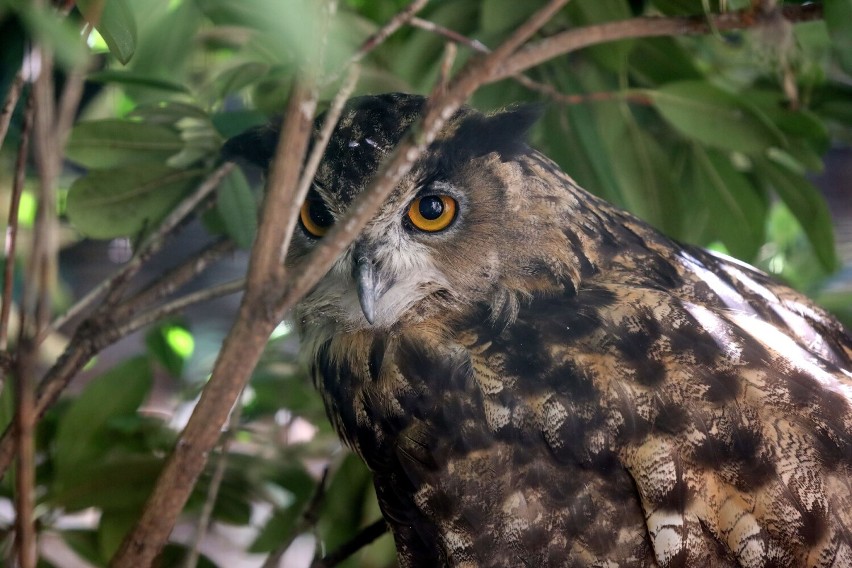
365,280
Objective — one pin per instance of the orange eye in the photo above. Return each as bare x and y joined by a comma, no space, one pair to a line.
315,218
432,213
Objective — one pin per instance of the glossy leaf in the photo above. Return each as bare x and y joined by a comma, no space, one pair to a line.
702,112
82,435
237,206
807,204
115,21
125,200
110,143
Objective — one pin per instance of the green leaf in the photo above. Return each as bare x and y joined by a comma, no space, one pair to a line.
172,344
838,18
807,204
111,530
707,114
737,214
123,201
110,143
115,22
82,434
237,206
613,55
121,482
84,543
131,78
659,60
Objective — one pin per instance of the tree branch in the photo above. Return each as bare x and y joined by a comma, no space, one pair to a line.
9,105
255,321
367,535
578,38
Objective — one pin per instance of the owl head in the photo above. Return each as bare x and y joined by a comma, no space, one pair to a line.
441,240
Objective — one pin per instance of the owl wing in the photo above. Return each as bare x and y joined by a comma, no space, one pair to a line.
725,399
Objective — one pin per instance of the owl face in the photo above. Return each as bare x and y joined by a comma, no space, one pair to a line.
433,245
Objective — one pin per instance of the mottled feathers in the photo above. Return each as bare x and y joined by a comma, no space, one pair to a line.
548,381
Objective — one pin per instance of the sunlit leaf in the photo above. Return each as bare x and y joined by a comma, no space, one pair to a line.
172,344
123,201
707,114
115,21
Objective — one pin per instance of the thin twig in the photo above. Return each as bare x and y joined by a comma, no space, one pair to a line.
307,521
215,483
151,246
172,280
11,245
444,73
543,88
332,115
156,240
10,104
178,305
364,537
379,37
578,38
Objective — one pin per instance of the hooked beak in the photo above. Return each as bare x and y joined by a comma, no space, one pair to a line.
366,282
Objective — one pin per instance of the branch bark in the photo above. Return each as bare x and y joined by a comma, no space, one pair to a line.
256,319
578,38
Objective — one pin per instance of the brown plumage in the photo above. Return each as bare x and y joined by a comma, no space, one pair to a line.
549,381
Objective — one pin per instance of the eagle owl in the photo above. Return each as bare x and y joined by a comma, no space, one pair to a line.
538,378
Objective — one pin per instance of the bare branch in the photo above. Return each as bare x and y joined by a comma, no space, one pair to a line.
9,105
330,121
170,282
383,33
151,246
578,38
10,249
25,538
179,305
364,537
307,522
241,349
215,483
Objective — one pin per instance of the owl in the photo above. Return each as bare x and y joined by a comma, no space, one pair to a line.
535,377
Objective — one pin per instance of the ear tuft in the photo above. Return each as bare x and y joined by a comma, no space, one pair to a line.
504,132
255,145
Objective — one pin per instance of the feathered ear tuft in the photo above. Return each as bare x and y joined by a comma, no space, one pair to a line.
504,132
255,145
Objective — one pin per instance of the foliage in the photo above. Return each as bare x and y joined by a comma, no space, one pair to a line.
710,138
